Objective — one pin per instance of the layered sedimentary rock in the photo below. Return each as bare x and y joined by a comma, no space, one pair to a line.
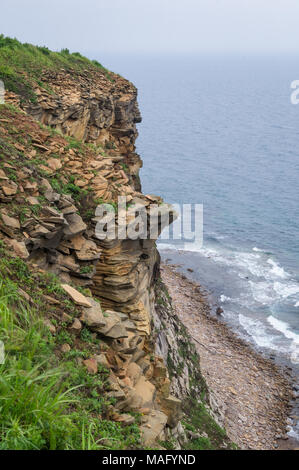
59,183
102,112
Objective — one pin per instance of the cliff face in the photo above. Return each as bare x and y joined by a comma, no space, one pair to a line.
65,178
70,151
98,111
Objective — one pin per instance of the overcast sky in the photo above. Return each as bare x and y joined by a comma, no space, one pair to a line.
155,26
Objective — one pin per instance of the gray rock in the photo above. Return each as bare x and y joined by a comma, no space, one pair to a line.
93,317
76,226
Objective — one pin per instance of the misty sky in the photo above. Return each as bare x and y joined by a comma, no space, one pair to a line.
155,26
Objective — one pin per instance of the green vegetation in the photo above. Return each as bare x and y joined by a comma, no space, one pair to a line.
48,401
86,269
22,66
68,187
200,421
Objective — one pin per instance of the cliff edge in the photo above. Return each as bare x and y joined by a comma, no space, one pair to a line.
67,147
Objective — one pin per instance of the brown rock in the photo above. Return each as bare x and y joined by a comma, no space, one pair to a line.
134,372
171,406
91,365
3,175
65,348
77,297
51,300
102,360
77,242
154,428
66,318
76,327
33,201
118,331
25,295
54,163
19,249
88,252
10,221
10,190
50,325
125,419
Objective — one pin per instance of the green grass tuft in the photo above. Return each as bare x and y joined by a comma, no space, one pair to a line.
22,66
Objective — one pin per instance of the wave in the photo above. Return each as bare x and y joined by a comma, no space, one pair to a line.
224,298
259,333
258,249
257,286
283,328
286,290
277,270
167,246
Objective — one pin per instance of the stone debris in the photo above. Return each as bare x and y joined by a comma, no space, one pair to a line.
77,297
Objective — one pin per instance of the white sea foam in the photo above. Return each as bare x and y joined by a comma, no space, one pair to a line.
294,433
257,249
262,292
286,290
267,284
258,332
277,270
167,246
283,328
224,298
269,281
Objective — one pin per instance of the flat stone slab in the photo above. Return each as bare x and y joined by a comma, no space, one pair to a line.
10,221
76,296
154,427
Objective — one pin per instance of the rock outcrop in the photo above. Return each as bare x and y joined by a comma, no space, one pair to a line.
57,183
63,157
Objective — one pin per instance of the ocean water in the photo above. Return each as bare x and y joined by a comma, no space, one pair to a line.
222,132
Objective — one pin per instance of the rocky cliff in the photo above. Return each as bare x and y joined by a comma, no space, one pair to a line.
63,154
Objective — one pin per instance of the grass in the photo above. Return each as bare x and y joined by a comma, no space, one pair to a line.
32,398
22,66
49,401
199,420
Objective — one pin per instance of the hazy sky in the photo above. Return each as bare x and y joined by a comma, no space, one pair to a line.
155,26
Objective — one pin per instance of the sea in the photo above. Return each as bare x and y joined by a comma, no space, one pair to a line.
222,131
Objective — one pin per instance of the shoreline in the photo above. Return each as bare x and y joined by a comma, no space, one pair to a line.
249,393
